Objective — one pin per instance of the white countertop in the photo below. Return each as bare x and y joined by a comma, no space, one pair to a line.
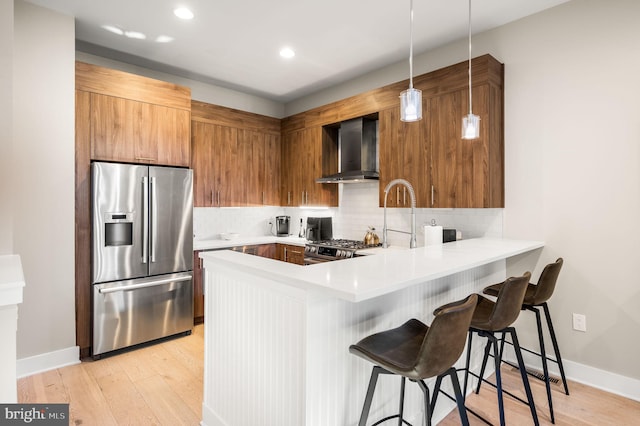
246,240
11,280
387,271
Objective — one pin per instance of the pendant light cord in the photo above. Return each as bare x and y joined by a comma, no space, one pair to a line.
411,44
470,110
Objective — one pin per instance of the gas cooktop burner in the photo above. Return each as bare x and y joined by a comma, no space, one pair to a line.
328,250
344,244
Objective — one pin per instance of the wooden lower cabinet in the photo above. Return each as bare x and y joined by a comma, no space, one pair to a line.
290,253
267,250
198,293
262,250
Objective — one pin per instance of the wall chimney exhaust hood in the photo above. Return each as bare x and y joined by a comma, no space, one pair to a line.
358,152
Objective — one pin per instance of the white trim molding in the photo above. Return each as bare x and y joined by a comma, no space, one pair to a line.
48,361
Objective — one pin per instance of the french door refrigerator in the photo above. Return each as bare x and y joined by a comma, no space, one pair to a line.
142,254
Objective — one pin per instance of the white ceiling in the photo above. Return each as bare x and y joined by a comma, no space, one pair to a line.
235,43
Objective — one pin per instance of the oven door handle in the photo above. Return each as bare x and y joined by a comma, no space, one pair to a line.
143,285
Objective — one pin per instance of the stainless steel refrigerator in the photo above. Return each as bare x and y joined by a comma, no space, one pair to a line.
142,259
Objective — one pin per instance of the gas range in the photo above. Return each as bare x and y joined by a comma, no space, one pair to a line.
328,250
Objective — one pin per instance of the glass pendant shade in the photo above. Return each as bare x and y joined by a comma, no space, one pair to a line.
471,127
411,105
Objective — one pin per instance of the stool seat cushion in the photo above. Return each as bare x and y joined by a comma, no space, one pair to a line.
396,350
417,351
536,295
495,316
529,293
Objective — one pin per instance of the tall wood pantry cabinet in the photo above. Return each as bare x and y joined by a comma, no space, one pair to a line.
125,118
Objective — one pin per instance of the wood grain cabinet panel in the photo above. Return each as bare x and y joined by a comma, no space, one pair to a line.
404,154
445,170
290,253
136,132
198,289
235,162
304,155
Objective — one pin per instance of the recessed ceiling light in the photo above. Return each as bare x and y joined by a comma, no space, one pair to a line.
183,13
164,39
113,29
135,34
287,52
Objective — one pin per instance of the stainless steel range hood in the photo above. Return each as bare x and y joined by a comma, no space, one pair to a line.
358,152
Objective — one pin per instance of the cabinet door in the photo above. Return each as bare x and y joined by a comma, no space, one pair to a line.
272,169
262,168
204,162
290,253
302,164
136,132
404,154
460,169
198,293
267,250
173,147
293,160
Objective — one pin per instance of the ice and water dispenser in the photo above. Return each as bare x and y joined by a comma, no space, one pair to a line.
118,229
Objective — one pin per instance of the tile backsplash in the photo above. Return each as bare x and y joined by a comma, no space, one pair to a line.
358,210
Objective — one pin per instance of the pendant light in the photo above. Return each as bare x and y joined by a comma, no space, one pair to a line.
411,99
471,122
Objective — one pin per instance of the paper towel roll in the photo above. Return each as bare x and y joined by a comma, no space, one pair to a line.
432,235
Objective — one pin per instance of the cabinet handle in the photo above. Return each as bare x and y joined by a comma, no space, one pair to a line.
145,159
213,203
288,198
432,195
218,198
302,200
397,195
285,254
262,197
306,197
404,196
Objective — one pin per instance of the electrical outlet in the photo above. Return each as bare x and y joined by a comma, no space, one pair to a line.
579,322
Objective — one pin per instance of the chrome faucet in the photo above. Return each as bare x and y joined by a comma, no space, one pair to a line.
412,243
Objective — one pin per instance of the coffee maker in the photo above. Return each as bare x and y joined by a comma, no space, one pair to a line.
282,226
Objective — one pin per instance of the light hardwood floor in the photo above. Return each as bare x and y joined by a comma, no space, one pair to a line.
162,385
159,384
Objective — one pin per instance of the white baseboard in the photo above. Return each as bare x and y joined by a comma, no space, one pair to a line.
590,376
47,361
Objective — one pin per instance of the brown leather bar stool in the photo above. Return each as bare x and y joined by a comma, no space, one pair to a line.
416,352
490,318
536,296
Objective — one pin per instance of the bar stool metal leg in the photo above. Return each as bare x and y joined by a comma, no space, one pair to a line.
523,373
555,346
545,368
367,401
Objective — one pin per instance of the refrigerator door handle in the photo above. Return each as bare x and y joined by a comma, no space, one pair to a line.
145,219
143,285
154,217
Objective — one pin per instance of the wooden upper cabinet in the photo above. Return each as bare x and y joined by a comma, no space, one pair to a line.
136,119
235,157
308,154
130,131
445,170
404,154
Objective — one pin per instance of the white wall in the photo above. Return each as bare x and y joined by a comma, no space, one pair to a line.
42,173
6,126
572,161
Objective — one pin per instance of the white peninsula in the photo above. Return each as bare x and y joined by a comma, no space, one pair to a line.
277,334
